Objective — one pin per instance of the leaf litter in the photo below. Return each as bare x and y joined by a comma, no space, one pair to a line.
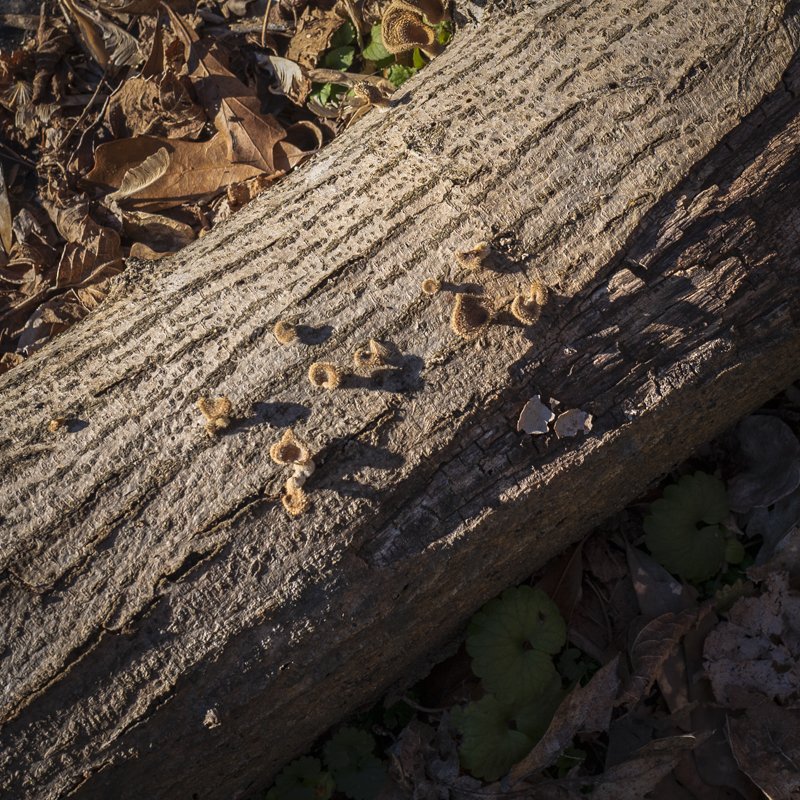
147,122
612,675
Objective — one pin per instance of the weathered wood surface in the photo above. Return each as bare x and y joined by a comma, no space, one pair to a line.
149,574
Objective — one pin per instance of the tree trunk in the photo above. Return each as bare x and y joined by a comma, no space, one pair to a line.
170,632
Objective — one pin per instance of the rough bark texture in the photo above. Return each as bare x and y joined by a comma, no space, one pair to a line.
149,573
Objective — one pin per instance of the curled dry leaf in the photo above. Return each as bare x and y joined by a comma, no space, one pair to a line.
289,78
572,422
142,175
107,43
196,169
155,233
535,416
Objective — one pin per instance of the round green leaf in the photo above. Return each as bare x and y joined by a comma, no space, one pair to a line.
511,641
492,743
339,58
496,735
303,779
357,771
682,529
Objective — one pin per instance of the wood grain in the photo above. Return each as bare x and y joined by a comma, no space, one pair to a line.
149,573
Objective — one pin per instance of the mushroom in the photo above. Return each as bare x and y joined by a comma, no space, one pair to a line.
471,315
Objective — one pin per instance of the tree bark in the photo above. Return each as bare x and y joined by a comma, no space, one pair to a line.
168,631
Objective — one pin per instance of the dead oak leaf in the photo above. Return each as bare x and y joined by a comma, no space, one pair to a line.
195,169
234,107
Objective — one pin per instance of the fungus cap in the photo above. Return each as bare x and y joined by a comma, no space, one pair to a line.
404,30
431,286
289,450
284,332
325,375
295,502
473,258
471,316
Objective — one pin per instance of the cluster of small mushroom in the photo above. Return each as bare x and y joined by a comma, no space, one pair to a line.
290,451
473,313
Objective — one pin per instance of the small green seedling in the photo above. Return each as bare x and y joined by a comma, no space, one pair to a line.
358,773
303,779
684,530
512,640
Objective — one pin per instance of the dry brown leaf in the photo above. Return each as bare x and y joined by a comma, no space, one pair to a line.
91,33
766,745
145,253
758,648
313,35
655,643
562,581
196,169
108,44
157,106
233,106
5,216
138,178
586,709
160,233
290,78
635,778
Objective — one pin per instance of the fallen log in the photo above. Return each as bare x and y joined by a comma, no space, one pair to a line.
168,630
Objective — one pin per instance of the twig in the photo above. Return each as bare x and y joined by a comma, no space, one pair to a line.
264,25
14,157
84,112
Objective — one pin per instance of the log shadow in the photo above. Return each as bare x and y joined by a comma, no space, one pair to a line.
275,415
342,457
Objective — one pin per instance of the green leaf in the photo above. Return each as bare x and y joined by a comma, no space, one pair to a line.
341,58
417,59
303,779
511,641
444,32
734,551
496,735
398,74
375,51
682,529
345,35
357,772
